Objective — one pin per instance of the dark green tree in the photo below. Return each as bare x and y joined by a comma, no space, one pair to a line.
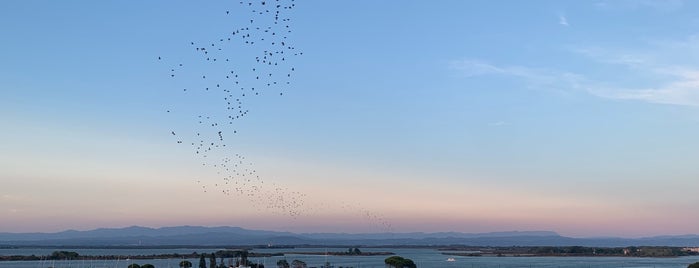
357,251
399,262
186,264
244,257
694,265
393,261
133,265
202,261
147,265
62,255
298,264
212,261
409,263
282,264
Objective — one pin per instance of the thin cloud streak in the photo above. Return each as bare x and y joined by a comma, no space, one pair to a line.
632,60
498,124
471,68
534,77
683,91
659,5
562,20
679,85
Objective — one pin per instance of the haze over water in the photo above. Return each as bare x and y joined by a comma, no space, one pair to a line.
470,116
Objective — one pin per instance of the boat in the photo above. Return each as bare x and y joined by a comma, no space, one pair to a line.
451,259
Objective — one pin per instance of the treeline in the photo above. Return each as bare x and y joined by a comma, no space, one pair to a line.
600,251
575,250
349,252
56,255
648,251
218,259
71,255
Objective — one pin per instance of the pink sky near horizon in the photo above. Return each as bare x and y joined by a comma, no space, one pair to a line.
416,208
66,199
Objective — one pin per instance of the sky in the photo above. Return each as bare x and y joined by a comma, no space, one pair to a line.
579,117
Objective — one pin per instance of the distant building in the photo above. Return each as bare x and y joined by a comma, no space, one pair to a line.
691,249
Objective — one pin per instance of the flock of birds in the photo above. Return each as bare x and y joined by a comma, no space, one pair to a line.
251,60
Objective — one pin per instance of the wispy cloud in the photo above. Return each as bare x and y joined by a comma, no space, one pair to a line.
498,124
671,64
684,90
562,20
535,77
475,68
668,82
658,5
635,60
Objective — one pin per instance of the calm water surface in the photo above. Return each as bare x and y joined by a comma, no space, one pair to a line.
425,258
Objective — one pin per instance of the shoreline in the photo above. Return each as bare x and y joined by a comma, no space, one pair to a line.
554,255
461,251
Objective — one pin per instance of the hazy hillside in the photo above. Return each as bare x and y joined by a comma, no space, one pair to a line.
197,235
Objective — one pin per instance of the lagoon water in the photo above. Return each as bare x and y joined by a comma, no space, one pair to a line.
425,258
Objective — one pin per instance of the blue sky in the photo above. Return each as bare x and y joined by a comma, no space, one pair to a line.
573,116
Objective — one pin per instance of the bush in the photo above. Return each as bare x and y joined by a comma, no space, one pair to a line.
399,262
185,264
63,255
694,265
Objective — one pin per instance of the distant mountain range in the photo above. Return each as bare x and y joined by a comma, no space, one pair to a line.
208,236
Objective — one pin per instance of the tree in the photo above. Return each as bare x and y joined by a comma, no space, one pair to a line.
409,263
133,265
282,264
399,262
212,261
186,264
62,255
202,261
244,258
694,265
298,264
147,265
354,251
